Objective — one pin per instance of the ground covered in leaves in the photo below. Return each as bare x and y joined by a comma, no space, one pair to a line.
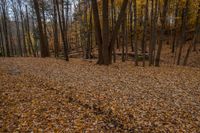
79,96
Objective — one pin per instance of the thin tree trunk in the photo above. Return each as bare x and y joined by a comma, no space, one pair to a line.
183,30
10,39
176,23
163,20
23,29
194,39
123,40
6,32
113,15
62,28
197,30
56,42
117,26
1,41
154,40
45,28
152,32
16,15
135,33
97,30
105,33
131,25
29,35
145,32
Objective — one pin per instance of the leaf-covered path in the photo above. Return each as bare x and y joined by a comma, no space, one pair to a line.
52,95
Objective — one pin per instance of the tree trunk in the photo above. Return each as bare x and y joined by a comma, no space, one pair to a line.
163,20
56,42
154,39
194,39
105,34
6,32
17,29
63,29
1,41
97,31
44,51
135,33
145,32
23,29
109,45
152,32
31,49
183,30
11,39
116,28
176,23
45,27
131,25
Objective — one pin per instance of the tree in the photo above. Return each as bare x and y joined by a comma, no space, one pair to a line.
43,47
183,30
30,43
45,26
106,43
16,15
5,26
23,27
55,29
145,32
163,20
63,27
195,39
1,41
135,32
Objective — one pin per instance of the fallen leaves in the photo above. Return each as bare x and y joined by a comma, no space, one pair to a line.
51,95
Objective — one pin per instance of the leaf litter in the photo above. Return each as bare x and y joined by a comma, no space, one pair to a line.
49,95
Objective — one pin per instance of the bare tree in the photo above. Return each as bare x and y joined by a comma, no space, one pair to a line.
163,21
44,50
5,26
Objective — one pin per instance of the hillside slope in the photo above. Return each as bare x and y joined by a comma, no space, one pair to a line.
52,95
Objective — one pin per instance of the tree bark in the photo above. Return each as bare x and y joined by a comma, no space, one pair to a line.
163,20
144,33
197,29
63,28
105,33
183,30
97,31
5,31
135,33
44,52
56,42
17,28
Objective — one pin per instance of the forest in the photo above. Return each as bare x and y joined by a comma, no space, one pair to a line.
100,66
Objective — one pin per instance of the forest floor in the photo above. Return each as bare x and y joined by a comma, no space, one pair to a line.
51,95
